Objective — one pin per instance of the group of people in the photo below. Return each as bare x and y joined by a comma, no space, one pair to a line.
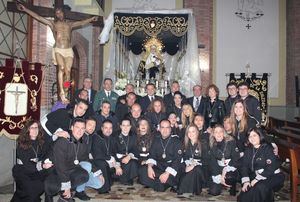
185,144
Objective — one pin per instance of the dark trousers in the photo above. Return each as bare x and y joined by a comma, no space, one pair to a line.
78,176
130,171
156,184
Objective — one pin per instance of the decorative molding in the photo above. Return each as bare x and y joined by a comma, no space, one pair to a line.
152,26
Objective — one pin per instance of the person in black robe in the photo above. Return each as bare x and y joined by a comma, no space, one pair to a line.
169,98
103,154
200,123
135,116
261,175
90,131
127,153
57,124
242,123
176,105
233,95
144,141
192,179
72,167
176,128
224,155
84,95
253,104
129,88
106,114
214,111
32,163
123,109
156,113
204,137
163,165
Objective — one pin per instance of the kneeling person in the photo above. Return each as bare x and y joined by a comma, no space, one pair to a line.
164,159
72,169
126,153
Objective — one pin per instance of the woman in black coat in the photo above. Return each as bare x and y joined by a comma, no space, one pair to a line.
214,111
32,163
261,174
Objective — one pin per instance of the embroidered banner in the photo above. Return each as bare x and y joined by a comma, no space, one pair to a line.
258,88
20,95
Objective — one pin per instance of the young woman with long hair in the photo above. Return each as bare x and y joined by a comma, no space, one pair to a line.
224,156
192,179
32,163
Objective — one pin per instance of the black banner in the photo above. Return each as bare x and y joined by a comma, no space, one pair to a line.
258,88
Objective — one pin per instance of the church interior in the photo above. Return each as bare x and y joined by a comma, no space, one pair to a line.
47,58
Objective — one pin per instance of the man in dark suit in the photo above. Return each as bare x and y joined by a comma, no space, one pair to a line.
87,85
197,101
146,100
169,98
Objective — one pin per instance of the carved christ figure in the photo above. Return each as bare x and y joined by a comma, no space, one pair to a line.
62,50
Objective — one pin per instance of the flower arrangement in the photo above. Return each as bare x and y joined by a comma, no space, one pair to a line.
121,80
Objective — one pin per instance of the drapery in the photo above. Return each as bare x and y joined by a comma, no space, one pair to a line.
183,66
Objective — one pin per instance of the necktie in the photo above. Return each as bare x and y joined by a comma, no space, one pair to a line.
151,98
108,94
197,103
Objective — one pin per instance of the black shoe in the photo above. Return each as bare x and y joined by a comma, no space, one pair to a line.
103,192
82,196
62,199
179,193
173,189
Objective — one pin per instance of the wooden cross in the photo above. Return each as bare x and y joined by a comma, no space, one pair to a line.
17,94
50,12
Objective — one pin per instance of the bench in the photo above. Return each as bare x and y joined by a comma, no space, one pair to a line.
286,135
288,150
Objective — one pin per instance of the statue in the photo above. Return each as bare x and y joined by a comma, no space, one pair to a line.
62,51
152,60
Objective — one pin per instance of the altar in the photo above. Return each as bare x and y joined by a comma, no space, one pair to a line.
152,47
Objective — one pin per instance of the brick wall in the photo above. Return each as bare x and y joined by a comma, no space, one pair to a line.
203,12
293,48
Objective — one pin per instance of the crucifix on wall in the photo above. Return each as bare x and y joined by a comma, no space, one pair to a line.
62,28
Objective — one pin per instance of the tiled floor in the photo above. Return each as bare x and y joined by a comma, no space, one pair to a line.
138,193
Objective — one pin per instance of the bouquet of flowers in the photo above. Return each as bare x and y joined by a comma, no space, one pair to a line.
121,80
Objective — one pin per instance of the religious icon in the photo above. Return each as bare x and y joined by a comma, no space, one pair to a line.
62,51
152,62
16,99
